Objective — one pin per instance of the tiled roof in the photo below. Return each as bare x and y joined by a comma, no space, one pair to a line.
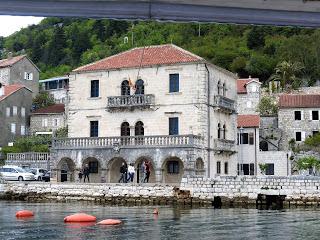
10,89
299,101
247,121
241,84
143,56
56,108
10,61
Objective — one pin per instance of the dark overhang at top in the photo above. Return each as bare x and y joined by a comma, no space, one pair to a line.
262,12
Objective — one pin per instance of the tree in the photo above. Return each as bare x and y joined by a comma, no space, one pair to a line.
267,106
42,100
56,47
309,163
287,73
255,38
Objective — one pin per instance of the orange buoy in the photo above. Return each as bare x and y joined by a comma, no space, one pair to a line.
80,217
110,222
156,211
24,213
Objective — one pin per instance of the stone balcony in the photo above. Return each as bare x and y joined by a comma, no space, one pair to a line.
161,141
223,145
131,101
225,103
29,159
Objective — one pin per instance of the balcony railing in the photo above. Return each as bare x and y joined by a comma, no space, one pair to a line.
128,142
225,103
224,145
29,159
131,101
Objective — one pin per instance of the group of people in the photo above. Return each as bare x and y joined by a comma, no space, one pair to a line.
127,172
84,172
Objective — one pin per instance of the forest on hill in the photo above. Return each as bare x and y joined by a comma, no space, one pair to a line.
59,45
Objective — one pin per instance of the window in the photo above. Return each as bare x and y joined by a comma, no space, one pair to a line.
224,131
270,169
93,167
60,84
251,138
219,131
44,122
254,88
8,111
224,89
173,126
218,167
298,137
125,129
174,82
219,87
94,128
245,138
23,112
28,76
315,133
139,129
226,170
23,130
297,115
125,88
264,146
173,167
56,122
14,110
246,169
13,128
315,115
139,87
94,88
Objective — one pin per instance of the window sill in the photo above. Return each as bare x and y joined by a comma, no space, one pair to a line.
94,98
174,93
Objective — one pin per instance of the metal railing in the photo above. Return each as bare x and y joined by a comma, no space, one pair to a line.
224,145
29,159
134,141
225,103
140,100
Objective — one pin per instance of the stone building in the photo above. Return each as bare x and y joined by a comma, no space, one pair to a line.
20,70
57,87
47,120
298,117
15,105
248,95
158,103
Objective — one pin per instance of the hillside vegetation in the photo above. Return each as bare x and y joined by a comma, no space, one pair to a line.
58,45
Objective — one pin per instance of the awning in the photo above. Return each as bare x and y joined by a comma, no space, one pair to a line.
53,79
264,12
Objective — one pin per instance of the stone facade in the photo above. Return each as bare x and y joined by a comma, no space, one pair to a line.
16,74
197,105
14,115
248,101
46,123
57,87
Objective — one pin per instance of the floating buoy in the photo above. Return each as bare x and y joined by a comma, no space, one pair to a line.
110,222
80,217
156,211
24,213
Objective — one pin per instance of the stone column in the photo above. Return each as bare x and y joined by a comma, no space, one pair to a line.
103,175
158,175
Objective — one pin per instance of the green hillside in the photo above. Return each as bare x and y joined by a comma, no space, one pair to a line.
58,45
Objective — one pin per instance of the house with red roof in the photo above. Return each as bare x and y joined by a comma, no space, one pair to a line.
45,121
298,116
161,104
248,95
20,70
15,105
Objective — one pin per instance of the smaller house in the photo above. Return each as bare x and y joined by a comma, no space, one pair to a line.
57,87
47,120
248,93
15,105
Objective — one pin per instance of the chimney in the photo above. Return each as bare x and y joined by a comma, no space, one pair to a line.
1,89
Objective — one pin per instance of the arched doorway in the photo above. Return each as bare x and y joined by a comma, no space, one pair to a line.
263,146
114,169
125,133
125,88
139,87
139,131
94,169
199,167
66,170
173,170
140,175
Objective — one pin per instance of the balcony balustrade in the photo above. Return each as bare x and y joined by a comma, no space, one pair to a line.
225,103
131,101
128,142
29,159
224,145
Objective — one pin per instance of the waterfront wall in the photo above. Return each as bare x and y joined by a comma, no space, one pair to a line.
225,191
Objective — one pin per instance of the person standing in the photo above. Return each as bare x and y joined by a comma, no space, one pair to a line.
80,175
131,172
123,173
86,172
148,166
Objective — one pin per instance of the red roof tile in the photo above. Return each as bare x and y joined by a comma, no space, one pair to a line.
247,121
148,56
241,84
56,108
299,101
10,61
10,89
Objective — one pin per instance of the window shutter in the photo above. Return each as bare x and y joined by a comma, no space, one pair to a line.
302,115
25,75
303,136
310,115
31,76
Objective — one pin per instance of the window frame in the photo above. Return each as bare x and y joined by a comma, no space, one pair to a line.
94,128
174,83
297,116
173,167
312,115
218,167
174,126
94,88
